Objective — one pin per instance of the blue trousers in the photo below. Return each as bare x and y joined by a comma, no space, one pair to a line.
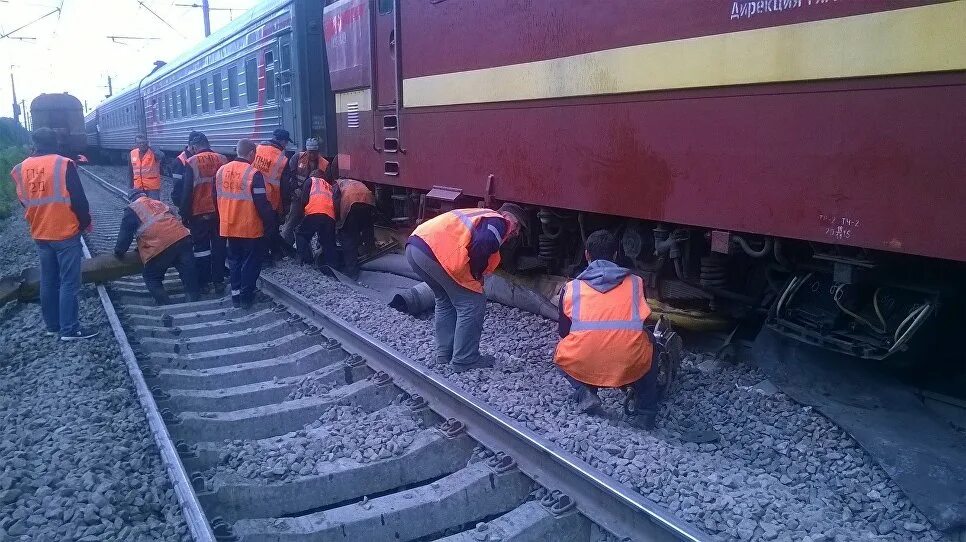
60,280
459,312
245,264
209,249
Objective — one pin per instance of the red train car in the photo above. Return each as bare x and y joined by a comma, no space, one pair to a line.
800,159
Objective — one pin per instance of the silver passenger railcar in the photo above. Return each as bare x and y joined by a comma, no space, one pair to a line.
262,71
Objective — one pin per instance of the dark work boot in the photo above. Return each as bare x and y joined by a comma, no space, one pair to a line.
485,361
643,419
588,401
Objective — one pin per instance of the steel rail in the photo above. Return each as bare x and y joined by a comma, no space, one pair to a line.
602,499
194,515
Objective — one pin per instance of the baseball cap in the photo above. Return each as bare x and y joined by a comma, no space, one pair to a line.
192,135
281,134
197,138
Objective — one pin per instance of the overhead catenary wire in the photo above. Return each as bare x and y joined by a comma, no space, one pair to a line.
160,18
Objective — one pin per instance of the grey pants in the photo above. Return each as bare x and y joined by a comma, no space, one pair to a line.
295,214
459,312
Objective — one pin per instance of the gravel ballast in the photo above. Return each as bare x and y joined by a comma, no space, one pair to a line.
779,471
77,460
19,251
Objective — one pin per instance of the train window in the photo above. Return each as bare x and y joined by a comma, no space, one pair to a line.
251,80
269,75
385,6
217,89
167,106
285,59
183,102
205,91
232,86
193,95
155,114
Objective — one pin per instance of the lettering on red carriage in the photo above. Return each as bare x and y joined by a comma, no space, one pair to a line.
839,228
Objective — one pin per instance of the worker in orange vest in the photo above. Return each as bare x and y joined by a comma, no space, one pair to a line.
452,253
272,162
200,213
354,226
604,343
177,171
162,242
320,201
301,166
56,210
245,216
145,170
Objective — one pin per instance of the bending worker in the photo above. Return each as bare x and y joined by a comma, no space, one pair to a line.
245,217
56,210
163,242
145,170
271,161
604,343
451,253
320,200
301,166
200,214
356,205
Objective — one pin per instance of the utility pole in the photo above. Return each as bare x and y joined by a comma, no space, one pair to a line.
26,114
16,106
110,89
205,13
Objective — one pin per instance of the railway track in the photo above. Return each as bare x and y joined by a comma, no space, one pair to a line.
284,422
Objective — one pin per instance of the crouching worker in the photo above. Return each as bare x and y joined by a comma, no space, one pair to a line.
451,253
604,343
162,242
320,200
355,225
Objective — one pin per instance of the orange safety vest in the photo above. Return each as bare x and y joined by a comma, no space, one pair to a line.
236,207
41,183
304,167
159,228
352,192
448,236
204,166
183,157
147,170
271,161
607,345
320,199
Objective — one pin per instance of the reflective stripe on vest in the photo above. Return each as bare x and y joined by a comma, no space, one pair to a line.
158,230
607,345
204,166
320,199
271,162
634,323
147,170
237,214
449,235
41,185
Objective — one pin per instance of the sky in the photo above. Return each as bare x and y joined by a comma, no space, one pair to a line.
72,51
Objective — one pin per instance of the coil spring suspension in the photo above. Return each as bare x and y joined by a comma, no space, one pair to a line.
548,245
714,271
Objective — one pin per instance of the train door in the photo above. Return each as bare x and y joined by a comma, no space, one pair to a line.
384,54
283,80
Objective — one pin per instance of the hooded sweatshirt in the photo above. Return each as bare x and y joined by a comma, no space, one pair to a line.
601,275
